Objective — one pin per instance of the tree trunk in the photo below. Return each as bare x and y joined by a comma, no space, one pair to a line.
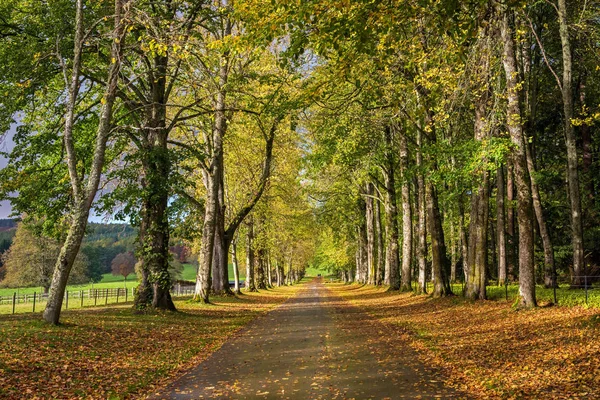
205,260
379,235
260,269
83,196
250,284
369,215
440,265
269,273
523,184
406,275
236,270
510,222
391,219
587,160
500,227
453,253
549,278
422,219
361,253
477,257
220,264
478,241
571,142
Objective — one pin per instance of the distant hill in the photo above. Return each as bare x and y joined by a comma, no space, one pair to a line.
114,232
7,224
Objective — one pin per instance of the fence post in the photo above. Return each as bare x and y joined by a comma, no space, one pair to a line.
34,296
106,298
95,297
81,299
586,289
125,295
118,290
14,300
67,301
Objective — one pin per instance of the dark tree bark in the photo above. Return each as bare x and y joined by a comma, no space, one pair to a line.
391,217
154,232
571,142
250,284
261,281
440,264
220,264
549,278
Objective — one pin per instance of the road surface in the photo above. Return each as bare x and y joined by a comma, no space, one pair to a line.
314,346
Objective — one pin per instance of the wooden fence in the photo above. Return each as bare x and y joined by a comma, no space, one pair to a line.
83,298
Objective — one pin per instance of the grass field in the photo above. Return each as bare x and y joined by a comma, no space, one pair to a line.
108,281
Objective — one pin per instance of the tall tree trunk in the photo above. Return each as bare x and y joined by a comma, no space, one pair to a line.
453,252
380,248
421,252
269,273
523,184
260,269
154,235
203,279
478,241
462,232
477,257
440,264
406,276
83,196
236,267
500,227
369,216
250,284
391,218
224,236
587,158
549,278
510,222
571,142
220,264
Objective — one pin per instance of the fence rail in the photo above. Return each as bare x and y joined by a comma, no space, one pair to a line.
80,298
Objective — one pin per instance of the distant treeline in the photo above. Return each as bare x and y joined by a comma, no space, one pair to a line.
102,243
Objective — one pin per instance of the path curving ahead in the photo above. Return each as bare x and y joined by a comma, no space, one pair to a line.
314,346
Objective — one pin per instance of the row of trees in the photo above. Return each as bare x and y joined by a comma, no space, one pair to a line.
456,135
210,120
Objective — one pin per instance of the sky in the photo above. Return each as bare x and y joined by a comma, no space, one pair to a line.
6,144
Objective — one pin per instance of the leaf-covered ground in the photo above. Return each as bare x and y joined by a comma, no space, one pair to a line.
491,351
111,353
